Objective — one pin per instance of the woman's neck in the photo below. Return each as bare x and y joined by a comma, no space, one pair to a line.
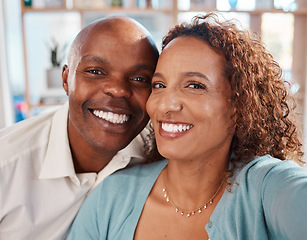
191,184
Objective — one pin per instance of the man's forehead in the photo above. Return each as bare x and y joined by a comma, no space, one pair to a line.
120,33
110,40
109,35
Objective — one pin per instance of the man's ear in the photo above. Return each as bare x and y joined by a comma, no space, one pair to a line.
65,72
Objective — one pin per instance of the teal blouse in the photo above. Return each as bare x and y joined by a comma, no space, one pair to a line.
269,202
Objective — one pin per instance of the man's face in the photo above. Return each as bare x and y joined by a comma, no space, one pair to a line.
108,83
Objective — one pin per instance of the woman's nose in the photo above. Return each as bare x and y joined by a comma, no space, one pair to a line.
118,88
170,102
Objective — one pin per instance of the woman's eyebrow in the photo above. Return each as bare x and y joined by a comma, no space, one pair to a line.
157,74
195,74
186,74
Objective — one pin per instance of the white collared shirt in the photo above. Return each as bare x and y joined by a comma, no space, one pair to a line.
40,193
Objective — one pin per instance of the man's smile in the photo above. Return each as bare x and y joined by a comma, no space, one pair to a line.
112,117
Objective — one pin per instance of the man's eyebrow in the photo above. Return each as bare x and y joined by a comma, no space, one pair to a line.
195,74
91,58
144,67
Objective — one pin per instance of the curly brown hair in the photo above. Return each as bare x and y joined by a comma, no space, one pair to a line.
259,94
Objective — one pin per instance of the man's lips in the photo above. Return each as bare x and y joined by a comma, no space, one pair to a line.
111,116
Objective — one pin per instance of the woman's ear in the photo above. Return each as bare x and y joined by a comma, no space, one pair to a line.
65,72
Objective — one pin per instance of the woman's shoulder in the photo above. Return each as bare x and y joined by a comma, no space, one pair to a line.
126,189
267,163
269,168
133,177
140,170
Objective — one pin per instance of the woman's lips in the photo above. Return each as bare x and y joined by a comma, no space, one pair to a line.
175,127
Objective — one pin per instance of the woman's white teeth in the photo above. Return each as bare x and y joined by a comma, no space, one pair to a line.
111,117
168,127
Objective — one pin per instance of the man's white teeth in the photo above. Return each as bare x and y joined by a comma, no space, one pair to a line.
111,117
168,127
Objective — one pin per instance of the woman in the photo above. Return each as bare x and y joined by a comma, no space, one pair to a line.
220,113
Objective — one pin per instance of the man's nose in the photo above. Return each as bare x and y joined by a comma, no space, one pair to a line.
118,88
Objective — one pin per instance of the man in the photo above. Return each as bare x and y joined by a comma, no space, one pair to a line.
49,163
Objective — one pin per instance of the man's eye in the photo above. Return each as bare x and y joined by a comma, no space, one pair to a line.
196,86
157,85
95,71
140,79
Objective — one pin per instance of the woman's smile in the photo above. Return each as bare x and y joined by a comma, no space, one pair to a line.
175,127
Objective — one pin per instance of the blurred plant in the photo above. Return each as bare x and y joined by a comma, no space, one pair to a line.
56,54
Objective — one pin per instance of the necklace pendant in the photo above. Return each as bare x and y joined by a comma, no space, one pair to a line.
189,213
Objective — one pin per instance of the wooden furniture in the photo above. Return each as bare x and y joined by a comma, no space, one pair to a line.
172,10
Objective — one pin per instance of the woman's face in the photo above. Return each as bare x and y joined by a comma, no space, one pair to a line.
190,102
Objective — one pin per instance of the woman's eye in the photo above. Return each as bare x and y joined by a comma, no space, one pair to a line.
157,85
196,86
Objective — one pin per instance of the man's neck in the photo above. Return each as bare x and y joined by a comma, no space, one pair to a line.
87,158
87,161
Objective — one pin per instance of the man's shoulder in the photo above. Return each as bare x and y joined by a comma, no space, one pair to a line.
26,125
24,135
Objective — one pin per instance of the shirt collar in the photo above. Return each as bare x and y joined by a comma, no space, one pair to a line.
133,153
58,159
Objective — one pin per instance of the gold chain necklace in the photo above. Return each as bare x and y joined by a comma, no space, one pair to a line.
189,213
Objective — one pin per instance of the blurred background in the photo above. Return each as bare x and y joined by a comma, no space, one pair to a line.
35,36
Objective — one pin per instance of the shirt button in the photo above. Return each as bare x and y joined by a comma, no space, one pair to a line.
209,224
